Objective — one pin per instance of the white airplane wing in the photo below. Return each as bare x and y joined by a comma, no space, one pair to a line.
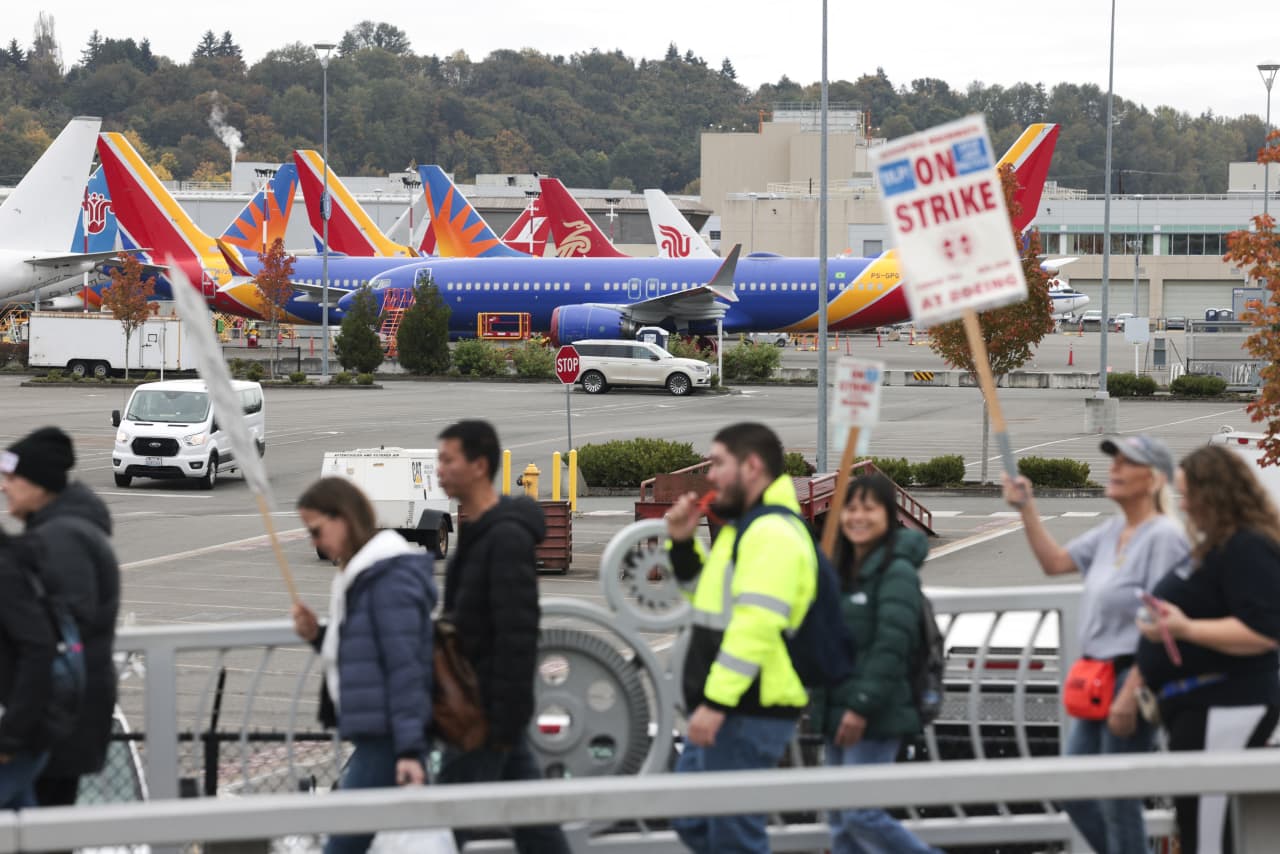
71,259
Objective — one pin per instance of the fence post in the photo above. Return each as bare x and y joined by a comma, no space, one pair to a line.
162,722
573,480
506,472
555,476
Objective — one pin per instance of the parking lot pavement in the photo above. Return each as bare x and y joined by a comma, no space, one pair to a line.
194,556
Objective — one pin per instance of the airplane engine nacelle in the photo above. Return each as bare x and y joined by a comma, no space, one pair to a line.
571,323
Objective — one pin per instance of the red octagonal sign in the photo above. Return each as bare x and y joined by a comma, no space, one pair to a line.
568,365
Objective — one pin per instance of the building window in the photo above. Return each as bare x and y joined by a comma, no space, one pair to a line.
871,248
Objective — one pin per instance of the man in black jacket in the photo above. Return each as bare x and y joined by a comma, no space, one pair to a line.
491,594
72,527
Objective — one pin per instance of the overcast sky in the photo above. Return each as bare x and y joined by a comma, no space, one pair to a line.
1194,56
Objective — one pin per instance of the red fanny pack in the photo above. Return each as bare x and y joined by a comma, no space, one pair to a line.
1089,688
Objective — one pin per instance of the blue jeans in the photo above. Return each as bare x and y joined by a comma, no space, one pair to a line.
869,831
372,766
18,778
493,766
743,743
1110,826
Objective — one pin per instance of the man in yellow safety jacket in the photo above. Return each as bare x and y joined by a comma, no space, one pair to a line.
741,693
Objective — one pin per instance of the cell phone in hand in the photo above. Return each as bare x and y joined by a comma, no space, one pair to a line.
1156,608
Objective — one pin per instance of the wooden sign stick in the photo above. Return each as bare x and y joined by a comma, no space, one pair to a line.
285,572
831,528
982,363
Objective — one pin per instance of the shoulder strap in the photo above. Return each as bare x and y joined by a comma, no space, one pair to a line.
755,513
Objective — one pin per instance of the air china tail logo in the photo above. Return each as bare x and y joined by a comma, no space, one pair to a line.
96,207
674,244
577,242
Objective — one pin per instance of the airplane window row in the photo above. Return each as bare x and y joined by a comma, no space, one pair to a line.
625,286
337,283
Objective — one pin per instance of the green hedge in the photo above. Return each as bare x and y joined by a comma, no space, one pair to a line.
744,362
298,377
478,358
1065,474
1198,386
946,470
1130,385
627,462
796,465
534,361
343,378
364,379
898,469
682,349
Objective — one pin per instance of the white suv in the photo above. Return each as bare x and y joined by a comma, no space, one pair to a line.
608,363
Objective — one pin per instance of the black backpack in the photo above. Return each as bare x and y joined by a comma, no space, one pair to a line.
821,649
68,674
928,661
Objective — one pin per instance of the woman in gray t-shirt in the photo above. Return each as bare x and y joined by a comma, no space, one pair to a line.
1120,559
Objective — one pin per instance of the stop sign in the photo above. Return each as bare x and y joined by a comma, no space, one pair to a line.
567,364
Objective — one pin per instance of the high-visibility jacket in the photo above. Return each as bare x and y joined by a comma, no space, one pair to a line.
737,659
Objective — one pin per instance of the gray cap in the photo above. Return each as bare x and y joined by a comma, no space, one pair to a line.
1143,450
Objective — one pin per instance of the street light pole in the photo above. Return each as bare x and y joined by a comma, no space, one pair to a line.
1268,71
325,205
1106,215
753,197
821,460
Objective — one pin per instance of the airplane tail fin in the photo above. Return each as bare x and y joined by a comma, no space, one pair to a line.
150,217
529,232
460,231
722,282
1030,156
671,231
266,218
96,227
37,214
575,233
351,230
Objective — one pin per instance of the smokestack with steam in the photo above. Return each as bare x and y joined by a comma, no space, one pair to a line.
229,135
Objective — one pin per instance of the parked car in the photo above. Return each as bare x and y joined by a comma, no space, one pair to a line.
1117,322
608,363
778,339
1175,322
1091,319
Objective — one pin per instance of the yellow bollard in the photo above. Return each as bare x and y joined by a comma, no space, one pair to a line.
530,481
506,472
555,476
573,481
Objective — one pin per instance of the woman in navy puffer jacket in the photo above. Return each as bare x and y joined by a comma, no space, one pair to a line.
376,645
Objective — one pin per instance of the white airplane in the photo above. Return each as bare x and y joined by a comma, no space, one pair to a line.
671,231
1066,299
38,219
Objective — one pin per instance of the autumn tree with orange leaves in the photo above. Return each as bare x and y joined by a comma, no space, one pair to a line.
1257,253
274,282
1012,331
127,297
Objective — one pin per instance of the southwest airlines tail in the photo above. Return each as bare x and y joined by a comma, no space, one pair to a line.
150,217
266,218
1031,155
351,230
460,231
671,231
575,233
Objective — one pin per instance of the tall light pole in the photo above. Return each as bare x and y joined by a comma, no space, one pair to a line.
1106,215
821,460
1268,71
1137,254
323,49
753,197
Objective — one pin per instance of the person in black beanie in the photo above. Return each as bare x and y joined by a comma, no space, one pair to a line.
72,527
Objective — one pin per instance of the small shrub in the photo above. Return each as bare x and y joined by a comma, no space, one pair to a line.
1194,385
1064,474
75,378
478,358
796,465
1130,385
683,349
238,368
364,379
946,470
627,462
745,362
534,361
298,377
150,376
255,372
899,470
343,378
54,376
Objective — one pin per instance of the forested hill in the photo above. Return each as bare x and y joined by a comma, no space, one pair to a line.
594,119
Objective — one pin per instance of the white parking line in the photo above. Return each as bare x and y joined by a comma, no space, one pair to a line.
157,495
946,514
204,550
975,540
1081,514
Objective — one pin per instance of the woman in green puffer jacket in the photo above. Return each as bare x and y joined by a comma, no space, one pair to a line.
866,719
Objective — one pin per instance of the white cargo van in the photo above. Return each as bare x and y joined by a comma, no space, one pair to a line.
1246,444
168,431
403,487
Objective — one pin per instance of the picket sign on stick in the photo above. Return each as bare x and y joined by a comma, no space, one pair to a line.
942,194
197,325
856,405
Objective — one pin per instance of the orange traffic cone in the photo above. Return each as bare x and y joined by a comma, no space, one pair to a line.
1071,355
879,343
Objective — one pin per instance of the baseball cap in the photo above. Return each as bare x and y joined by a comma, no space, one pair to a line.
1143,450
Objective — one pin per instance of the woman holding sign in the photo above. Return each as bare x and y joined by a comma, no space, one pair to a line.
1218,688
1120,560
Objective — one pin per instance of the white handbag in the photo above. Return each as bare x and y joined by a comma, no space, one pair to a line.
431,841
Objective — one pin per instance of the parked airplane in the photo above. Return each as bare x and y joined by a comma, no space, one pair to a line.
671,231
575,233
603,297
1066,300
37,219
351,230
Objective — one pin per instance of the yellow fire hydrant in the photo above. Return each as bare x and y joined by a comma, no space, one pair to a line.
529,480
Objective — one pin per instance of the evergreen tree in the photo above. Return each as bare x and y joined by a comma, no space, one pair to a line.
146,60
673,53
89,55
423,338
358,346
228,47
208,46
17,56
726,69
